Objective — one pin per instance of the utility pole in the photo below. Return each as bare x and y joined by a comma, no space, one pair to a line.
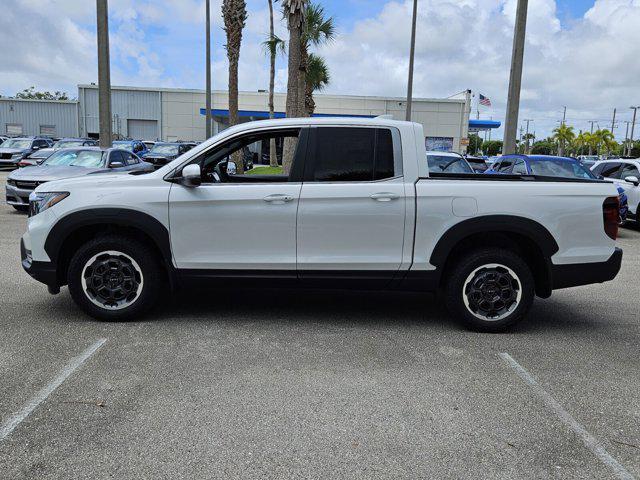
633,125
626,139
591,122
104,75
564,116
515,78
208,55
613,122
412,54
528,120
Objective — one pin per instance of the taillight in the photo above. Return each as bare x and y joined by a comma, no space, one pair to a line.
611,215
23,164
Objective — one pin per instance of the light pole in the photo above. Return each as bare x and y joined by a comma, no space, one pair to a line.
412,53
515,79
208,55
633,125
104,75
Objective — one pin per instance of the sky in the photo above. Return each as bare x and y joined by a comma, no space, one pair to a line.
579,53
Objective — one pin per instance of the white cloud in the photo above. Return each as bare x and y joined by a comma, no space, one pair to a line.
588,64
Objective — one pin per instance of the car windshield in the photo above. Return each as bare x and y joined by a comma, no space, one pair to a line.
16,143
446,163
123,146
76,158
166,149
68,143
559,168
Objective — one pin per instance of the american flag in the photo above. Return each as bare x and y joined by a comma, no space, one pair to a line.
486,101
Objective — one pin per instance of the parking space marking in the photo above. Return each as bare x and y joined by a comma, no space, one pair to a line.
589,440
14,420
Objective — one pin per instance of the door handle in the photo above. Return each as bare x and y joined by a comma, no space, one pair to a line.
278,199
385,196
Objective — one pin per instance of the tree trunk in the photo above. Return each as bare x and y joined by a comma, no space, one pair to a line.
309,102
273,155
294,22
302,81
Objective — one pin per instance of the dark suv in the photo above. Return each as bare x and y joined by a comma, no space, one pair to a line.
13,150
164,152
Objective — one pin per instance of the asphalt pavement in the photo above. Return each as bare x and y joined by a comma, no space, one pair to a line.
311,384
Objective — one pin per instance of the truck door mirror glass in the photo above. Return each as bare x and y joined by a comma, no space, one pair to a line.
191,175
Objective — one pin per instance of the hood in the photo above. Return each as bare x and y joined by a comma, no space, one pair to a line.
13,150
48,173
159,155
103,177
50,151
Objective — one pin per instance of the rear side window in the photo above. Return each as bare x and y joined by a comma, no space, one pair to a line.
344,154
520,168
505,166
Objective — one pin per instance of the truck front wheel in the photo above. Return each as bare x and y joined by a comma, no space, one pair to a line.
115,278
489,289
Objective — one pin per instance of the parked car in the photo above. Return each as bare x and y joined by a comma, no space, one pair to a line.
149,144
67,163
13,150
74,142
134,146
625,173
447,162
2,139
358,209
164,152
36,158
478,164
541,165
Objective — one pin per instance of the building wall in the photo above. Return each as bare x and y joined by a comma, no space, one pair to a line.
59,118
178,111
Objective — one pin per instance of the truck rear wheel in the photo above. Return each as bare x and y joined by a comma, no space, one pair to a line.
115,278
490,289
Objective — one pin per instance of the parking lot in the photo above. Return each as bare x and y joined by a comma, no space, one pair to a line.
311,384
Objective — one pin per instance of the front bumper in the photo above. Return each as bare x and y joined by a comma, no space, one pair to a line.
9,163
44,272
574,275
17,196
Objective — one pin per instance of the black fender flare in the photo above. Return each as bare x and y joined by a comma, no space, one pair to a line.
493,224
121,217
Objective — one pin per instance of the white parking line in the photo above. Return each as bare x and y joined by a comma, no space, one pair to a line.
14,420
589,440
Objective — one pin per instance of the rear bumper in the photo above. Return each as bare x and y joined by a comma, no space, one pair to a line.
574,275
44,272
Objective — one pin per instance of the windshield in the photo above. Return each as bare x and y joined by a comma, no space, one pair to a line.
449,164
16,143
559,168
76,158
165,149
68,143
123,146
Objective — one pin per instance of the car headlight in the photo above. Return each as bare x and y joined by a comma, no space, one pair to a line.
11,182
17,156
39,202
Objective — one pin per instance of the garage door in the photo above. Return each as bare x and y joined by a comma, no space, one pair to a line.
142,129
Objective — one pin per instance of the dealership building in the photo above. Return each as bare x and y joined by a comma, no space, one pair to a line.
172,114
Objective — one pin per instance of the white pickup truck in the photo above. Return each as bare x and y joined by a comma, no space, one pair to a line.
358,208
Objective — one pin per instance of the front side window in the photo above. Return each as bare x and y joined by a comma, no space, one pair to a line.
611,170
251,153
520,168
505,166
345,154
629,170
560,168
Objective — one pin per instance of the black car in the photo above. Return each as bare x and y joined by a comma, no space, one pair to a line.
14,150
164,152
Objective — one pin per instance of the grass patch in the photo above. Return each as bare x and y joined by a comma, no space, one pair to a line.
265,171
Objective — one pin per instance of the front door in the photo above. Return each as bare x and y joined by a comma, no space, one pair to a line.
236,222
351,217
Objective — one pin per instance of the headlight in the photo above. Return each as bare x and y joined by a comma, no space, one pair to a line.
11,182
17,156
39,202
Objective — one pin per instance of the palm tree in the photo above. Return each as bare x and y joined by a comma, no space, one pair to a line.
317,79
294,11
318,30
563,135
273,45
234,13
604,139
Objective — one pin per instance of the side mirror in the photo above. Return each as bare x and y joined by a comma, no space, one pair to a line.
116,165
191,175
632,179
35,147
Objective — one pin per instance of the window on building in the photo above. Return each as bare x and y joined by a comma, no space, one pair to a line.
48,130
345,154
14,129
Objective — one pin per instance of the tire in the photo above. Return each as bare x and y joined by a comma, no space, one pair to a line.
489,290
21,208
115,278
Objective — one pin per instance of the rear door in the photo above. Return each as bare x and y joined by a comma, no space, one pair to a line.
351,214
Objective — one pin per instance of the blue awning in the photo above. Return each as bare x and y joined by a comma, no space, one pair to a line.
477,125
260,114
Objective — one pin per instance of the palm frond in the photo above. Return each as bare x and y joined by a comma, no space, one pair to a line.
274,45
